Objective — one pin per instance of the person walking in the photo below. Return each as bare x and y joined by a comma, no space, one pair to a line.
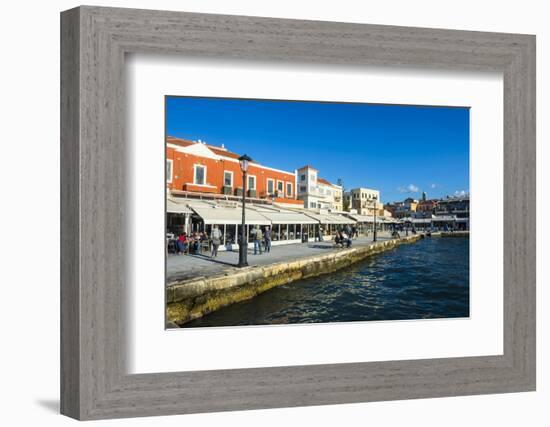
182,243
348,240
216,241
347,230
267,239
257,237
320,233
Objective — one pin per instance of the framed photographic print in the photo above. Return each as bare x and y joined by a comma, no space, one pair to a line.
261,213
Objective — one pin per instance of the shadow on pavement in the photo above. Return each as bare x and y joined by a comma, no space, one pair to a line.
217,261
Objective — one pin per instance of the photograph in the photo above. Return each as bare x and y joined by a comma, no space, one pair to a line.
289,211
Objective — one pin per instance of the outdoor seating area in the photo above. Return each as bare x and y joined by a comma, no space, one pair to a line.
195,243
190,223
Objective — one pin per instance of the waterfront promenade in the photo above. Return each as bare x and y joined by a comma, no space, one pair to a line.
209,290
185,267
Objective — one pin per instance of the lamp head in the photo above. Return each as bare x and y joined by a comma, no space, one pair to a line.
244,160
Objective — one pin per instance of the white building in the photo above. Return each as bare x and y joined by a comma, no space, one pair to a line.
364,201
318,193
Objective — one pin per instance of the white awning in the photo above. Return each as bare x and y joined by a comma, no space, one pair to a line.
421,220
330,218
228,215
362,218
443,218
287,217
370,218
173,206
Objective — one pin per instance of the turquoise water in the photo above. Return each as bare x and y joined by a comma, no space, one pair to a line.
425,280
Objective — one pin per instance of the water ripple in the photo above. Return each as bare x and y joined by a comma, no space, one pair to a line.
428,279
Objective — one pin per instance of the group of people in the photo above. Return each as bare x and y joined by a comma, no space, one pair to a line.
261,239
260,236
192,242
344,236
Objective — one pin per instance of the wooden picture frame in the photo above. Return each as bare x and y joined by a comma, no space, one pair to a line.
94,382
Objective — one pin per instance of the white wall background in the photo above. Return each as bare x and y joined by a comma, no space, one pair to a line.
29,212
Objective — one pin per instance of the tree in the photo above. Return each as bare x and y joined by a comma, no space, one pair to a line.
345,204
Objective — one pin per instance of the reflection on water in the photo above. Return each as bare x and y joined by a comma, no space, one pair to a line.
427,279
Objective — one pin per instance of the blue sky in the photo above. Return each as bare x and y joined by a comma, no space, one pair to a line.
399,150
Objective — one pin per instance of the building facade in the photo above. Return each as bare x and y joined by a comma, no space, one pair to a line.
316,192
405,209
426,208
199,170
364,201
457,206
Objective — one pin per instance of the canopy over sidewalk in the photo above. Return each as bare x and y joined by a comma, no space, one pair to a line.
215,214
326,218
174,206
286,217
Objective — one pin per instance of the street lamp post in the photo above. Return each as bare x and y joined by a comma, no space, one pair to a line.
374,233
243,246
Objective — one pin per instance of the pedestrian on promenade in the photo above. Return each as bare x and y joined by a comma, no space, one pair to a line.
267,239
346,238
182,243
216,241
257,237
347,230
320,234
339,238
354,232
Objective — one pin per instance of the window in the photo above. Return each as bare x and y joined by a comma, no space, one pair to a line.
169,170
312,177
251,182
270,186
303,188
280,188
200,175
288,189
312,205
228,178
302,177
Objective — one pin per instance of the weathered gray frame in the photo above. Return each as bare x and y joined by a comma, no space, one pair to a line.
94,41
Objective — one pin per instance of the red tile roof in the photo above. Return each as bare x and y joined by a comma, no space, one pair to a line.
185,143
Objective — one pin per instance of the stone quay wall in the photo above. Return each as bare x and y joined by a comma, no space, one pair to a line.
191,299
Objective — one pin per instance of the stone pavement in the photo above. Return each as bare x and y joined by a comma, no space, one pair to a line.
183,267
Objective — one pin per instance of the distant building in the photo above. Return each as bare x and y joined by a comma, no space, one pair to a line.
364,201
457,206
406,208
426,208
316,192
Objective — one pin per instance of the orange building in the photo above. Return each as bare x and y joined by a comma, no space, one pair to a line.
194,168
